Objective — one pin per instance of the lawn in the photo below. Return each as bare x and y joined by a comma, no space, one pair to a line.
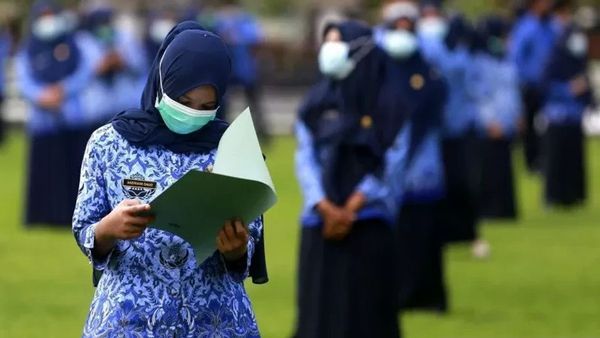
542,280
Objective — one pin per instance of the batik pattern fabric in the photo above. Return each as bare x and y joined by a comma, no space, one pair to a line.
154,286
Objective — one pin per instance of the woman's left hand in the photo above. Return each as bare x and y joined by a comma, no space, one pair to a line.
232,241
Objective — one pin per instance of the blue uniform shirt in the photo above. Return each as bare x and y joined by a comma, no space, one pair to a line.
532,43
242,33
380,203
153,286
71,115
102,100
498,94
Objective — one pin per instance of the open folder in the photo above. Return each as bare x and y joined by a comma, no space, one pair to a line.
196,206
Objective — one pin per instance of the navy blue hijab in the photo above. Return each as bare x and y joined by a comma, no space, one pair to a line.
192,57
564,66
414,92
352,139
54,60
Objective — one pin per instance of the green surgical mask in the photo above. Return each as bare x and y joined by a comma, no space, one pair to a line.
180,118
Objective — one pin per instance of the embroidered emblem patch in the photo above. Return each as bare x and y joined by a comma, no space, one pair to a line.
137,187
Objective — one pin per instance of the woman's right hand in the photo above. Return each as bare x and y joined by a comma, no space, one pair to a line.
127,221
124,222
337,221
51,97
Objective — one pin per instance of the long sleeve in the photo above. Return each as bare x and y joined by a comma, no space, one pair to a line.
395,160
92,203
307,169
373,188
29,88
239,271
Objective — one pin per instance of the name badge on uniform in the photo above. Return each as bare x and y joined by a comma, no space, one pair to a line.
138,187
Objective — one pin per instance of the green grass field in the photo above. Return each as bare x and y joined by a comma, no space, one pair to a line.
542,280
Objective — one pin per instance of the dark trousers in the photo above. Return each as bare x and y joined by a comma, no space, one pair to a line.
532,103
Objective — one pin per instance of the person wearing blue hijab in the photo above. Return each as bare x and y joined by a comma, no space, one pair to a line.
454,60
52,71
413,90
499,118
158,24
532,42
152,284
242,32
346,274
568,94
120,65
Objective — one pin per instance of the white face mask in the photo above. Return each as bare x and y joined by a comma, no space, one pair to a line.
50,27
577,44
399,44
160,29
335,60
432,27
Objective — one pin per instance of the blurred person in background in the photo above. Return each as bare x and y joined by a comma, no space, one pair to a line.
5,46
413,91
347,267
158,25
568,94
53,69
532,43
446,46
120,65
499,119
432,29
242,33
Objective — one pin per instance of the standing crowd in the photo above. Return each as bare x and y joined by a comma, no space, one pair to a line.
405,145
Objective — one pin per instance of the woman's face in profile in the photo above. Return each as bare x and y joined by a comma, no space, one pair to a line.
200,98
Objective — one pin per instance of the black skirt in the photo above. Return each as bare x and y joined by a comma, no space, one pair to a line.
497,195
459,208
347,288
53,177
421,263
564,165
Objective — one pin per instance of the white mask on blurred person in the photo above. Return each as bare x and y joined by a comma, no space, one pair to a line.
400,44
334,59
577,44
432,27
50,27
160,29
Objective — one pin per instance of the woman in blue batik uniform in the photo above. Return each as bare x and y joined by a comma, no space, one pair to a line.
53,69
413,90
568,94
347,261
499,103
152,284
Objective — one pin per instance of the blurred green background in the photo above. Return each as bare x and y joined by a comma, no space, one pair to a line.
542,280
